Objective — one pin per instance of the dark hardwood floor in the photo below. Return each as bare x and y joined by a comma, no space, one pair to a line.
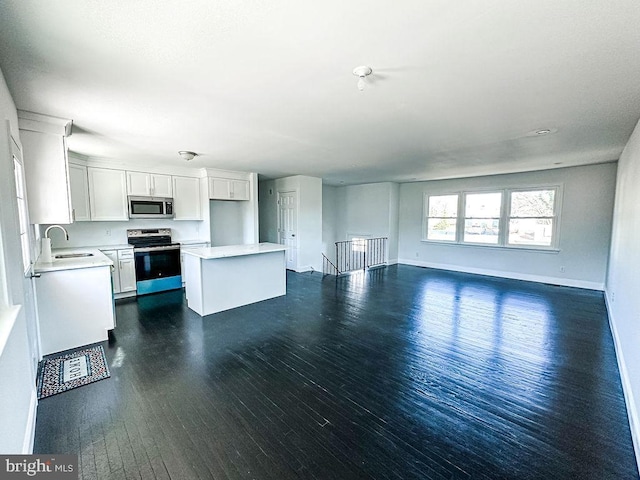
401,373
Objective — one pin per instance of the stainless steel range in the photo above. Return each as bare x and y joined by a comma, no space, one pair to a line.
157,260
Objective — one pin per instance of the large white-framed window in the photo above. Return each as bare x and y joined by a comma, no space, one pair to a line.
482,213
442,218
523,217
23,217
533,217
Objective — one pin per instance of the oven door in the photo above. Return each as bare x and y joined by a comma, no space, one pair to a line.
157,269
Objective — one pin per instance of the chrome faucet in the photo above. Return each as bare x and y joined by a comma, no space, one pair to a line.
46,232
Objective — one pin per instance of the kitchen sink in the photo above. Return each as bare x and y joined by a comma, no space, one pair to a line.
73,255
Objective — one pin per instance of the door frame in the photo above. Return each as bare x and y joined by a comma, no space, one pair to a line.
279,193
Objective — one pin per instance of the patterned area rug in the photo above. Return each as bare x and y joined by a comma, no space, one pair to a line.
71,370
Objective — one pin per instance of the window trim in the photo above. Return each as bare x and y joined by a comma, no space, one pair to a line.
463,203
503,225
426,218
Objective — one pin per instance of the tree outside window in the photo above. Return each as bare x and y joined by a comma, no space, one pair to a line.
442,218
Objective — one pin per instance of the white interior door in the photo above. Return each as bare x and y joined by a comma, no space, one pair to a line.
288,226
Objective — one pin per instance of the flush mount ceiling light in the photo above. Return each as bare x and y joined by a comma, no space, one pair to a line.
187,155
362,72
541,132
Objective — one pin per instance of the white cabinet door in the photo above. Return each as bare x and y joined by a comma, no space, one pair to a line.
47,177
239,190
138,183
161,186
79,185
107,194
219,189
186,198
148,184
228,189
127,270
115,275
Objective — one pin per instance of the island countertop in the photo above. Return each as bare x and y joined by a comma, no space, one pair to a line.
208,253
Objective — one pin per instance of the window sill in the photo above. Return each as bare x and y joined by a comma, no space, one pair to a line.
494,247
8,317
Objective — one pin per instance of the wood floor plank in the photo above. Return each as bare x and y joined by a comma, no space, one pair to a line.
396,373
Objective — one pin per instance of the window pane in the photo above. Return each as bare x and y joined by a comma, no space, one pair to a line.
530,231
483,205
536,203
443,206
485,230
442,229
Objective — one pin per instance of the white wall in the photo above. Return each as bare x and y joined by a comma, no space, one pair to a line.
585,229
369,209
329,220
309,190
18,353
227,227
268,211
623,279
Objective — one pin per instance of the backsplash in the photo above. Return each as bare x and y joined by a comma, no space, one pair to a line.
90,234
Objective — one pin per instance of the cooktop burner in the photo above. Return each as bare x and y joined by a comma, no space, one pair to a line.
147,237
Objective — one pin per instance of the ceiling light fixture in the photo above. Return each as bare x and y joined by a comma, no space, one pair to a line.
362,72
187,155
544,131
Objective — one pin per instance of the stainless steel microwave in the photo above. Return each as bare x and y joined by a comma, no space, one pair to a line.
150,207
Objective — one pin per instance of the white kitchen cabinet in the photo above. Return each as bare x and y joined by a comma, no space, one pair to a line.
149,184
186,198
228,189
123,274
107,194
47,177
79,185
127,270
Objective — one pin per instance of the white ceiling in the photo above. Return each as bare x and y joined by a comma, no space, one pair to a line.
266,85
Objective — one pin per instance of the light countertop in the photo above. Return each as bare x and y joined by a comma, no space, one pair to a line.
234,250
97,259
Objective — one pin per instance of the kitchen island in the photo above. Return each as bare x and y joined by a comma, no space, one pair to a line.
221,278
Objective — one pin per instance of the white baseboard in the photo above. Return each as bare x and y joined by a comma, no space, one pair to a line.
632,413
30,431
565,282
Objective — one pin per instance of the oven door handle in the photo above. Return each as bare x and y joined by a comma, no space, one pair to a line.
156,249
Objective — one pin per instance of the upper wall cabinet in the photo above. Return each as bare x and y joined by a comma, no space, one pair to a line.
228,189
79,185
46,167
149,184
186,198
107,194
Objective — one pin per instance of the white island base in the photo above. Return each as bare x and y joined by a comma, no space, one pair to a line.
221,278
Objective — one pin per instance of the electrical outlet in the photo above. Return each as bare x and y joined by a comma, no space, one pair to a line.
107,232
613,296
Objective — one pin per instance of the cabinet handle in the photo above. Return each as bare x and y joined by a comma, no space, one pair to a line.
120,262
73,214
